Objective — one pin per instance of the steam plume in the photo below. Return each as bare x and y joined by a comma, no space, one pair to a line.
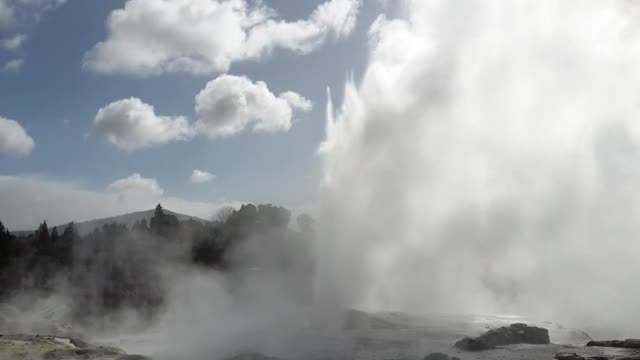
487,162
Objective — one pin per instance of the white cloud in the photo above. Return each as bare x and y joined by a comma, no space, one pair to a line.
226,106
14,43
28,200
130,124
136,185
148,37
14,139
229,104
296,101
13,66
201,177
19,12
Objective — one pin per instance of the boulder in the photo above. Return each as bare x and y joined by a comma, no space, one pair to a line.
469,344
569,356
516,334
439,356
506,335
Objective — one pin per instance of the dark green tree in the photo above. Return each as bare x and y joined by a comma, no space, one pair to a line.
65,245
164,225
141,226
43,240
273,217
5,246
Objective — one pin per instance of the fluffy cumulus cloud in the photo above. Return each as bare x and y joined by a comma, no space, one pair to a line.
136,185
202,36
27,200
201,177
229,104
131,124
14,139
226,106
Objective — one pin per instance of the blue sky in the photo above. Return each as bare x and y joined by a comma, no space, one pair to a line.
55,96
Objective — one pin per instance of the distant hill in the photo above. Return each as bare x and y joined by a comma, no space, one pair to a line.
85,227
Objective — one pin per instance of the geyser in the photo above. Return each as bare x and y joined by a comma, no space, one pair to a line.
487,162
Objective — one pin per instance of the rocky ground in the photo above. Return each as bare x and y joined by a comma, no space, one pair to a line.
385,336
35,347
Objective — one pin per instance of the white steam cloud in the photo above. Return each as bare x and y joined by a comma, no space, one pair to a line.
487,162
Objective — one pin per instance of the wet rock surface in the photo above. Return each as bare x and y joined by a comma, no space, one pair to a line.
133,357
575,356
252,356
19,347
627,344
507,335
568,356
469,344
86,353
439,356
378,336
356,319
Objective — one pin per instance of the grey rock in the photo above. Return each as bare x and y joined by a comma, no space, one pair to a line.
469,344
628,344
134,357
607,343
632,343
252,356
507,335
79,343
79,353
569,356
440,356
516,334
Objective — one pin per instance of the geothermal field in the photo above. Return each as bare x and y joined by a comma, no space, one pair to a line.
319,179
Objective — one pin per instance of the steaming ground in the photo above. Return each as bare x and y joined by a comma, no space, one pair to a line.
388,336
366,336
217,316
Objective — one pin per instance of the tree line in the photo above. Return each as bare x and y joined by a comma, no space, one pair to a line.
115,267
